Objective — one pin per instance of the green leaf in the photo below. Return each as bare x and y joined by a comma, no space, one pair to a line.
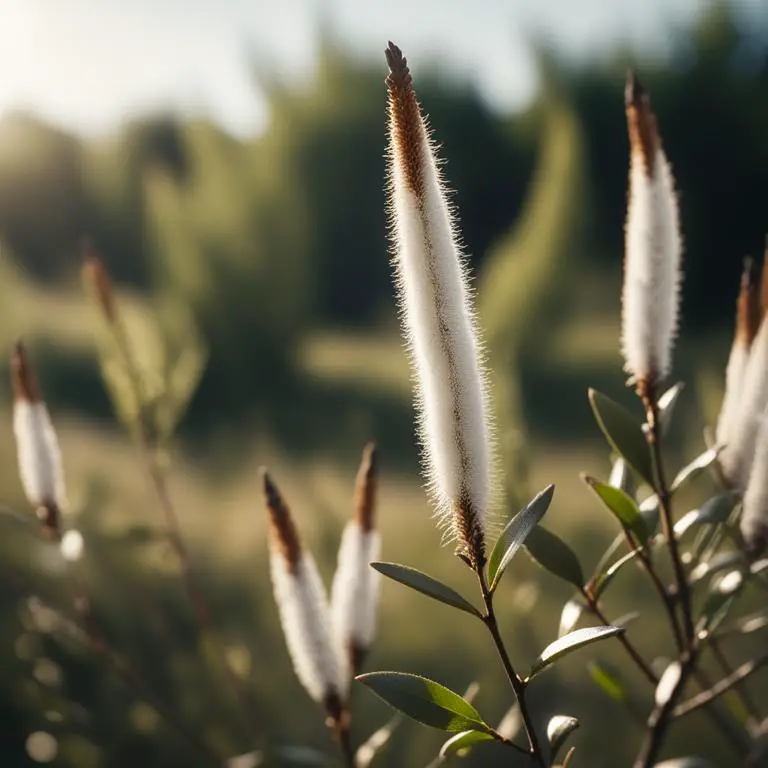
748,624
515,533
714,510
426,585
570,643
624,434
572,612
718,602
622,477
608,680
695,468
463,740
717,563
604,579
559,728
667,404
649,509
622,506
552,553
425,701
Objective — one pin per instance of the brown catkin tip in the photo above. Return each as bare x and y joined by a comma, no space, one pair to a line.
49,515
282,528
748,313
406,126
644,138
97,279
25,384
366,487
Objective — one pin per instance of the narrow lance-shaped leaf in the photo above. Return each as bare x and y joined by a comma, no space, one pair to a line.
559,728
667,404
715,510
608,680
425,701
371,747
622,506
571,613
691,471
570,643
515,533
604,579
719,602
426,585
552,553
464,740
624,434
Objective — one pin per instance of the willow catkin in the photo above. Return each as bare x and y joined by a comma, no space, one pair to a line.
438,322
653,248
302,603
355,591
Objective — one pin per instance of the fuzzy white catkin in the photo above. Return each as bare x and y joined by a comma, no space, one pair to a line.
737,457
39,457
734,380
305,618
355,591
651,270
439,325
754,515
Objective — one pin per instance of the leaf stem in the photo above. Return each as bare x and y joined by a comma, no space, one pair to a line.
517,683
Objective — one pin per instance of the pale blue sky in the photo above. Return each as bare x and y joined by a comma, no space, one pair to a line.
89,64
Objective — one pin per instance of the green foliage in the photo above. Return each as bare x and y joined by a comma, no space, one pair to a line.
553,554
425,701
426,585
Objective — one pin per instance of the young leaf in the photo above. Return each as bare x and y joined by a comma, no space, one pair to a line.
667,405
694,469
717,563
604,579
463,740
623,433
623,478
515,533
570,643
622,506
426,585
570,616
668,683
718,602
559,728
714,510
376,742
425,701
608,680
552,553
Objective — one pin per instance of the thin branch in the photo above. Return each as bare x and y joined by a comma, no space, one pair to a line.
732,732
641,663
724,685
749,704
661,716
157,479
653,436
98,643
517,683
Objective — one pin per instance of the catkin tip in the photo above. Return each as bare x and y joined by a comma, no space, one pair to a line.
282,528
365,488
641,124
399,74
25,384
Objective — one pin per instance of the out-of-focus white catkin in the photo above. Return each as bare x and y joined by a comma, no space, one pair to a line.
653,248
737,457
438,320
302,604
754,515
39,457
747,323
355,591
